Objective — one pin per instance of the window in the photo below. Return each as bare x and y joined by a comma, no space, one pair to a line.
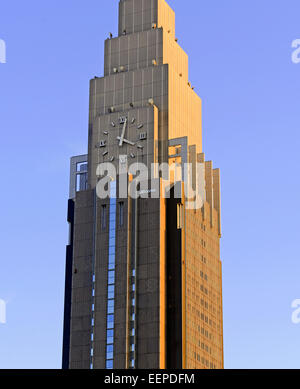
113,205
110,336
109,364
121,214
110,306
110,351
112,240
111,266
112,251
110,333
111,291
103,217
111,277
109,356
111,260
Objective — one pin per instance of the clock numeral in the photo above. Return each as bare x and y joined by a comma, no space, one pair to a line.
112,159
140,147
140,126
133,120
105,132
143,135
113,124
123,159
132,155
105,153
122,119
102,143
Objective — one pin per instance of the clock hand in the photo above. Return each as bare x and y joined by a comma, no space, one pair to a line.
126,141
123,134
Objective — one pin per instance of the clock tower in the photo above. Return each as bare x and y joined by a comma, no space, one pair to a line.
143,274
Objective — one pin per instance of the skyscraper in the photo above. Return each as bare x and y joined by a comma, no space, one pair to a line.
143,270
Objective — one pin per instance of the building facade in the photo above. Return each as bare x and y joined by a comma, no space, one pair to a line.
143,273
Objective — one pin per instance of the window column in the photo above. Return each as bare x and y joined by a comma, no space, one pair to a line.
111,279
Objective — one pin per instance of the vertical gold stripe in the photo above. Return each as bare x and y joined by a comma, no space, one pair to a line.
156,140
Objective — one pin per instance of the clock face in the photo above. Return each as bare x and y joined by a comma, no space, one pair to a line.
124,138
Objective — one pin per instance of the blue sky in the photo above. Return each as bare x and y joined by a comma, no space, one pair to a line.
240,63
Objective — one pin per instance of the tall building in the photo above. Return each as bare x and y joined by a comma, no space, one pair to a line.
143,273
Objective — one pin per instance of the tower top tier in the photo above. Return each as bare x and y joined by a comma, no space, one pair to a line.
142,15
